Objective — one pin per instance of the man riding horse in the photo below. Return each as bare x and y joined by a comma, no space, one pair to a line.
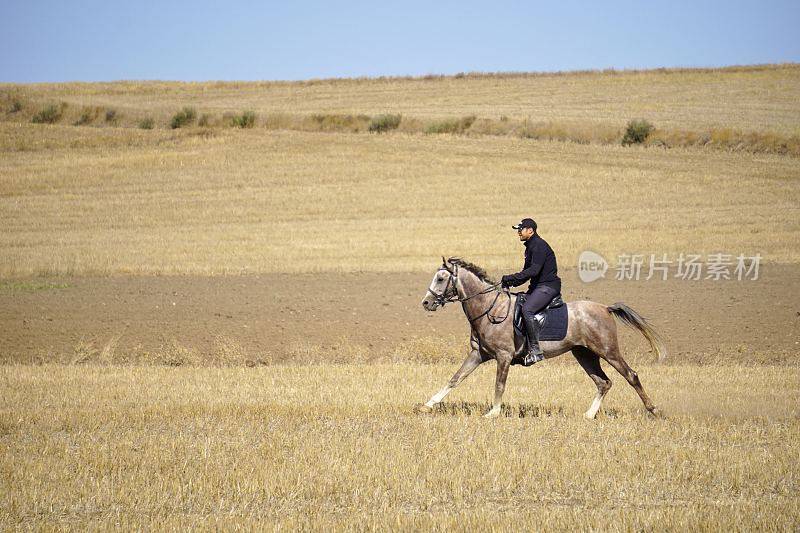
591,330
541,269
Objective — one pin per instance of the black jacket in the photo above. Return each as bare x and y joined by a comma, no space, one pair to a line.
540,266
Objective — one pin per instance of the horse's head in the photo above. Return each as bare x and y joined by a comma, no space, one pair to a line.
442,288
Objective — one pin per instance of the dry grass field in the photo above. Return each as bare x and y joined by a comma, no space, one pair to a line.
757,98
218,327
749,108
84,200
338,447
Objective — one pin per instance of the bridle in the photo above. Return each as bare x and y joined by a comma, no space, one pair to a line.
443,298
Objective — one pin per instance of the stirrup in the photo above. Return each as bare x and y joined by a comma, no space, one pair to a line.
532,357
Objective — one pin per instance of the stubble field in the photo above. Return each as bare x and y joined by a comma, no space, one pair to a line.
321,446
218,327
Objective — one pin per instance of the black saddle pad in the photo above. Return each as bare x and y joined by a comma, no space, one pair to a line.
555,325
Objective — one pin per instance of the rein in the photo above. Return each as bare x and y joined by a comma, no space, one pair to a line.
443,299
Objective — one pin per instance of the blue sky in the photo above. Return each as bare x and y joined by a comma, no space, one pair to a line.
203,40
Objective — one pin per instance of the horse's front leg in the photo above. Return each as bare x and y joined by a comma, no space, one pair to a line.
503,364
472,362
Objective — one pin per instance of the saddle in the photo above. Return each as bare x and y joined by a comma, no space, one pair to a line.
541,316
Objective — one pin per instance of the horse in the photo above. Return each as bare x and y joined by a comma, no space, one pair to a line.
591,334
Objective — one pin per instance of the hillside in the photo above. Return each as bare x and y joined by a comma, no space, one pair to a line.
718,107
109,197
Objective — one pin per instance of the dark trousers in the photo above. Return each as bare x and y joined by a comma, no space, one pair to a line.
538,299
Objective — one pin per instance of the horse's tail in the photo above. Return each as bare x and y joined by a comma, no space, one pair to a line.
634,320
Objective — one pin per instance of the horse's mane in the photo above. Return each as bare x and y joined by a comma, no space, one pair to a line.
475,269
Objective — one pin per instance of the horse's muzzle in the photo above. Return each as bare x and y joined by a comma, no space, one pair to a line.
429,304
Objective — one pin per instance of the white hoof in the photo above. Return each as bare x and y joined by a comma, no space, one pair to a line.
494,413
589,416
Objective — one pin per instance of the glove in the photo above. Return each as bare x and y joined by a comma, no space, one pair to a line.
505,281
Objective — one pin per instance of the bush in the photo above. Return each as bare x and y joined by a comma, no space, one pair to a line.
88,115
383,123
183,117
637,132
245,120
456,125
12,101
146,123
50,114
336,122
111,116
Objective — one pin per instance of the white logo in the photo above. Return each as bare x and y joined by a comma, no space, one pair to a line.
591,266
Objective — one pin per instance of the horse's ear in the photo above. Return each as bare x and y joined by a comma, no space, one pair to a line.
445,265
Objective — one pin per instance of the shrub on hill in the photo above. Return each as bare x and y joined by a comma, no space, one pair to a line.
637,132
88,115
458,125
245,120
384,123
184,117
50,114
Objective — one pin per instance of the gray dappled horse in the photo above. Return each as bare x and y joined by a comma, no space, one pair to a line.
591,333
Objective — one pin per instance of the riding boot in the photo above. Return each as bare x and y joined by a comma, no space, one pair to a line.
532,327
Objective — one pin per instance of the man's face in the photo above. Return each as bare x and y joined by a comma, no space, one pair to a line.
525,233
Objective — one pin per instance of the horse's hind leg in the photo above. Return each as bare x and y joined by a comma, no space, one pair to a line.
614,358
590,362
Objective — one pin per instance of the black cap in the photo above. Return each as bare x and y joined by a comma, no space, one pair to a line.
525,223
